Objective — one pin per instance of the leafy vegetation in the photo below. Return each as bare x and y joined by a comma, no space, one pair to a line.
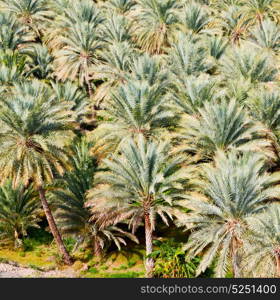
121,120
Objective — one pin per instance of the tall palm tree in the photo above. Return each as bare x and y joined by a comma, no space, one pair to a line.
234,188
142,182
262,245
154,26
113,68
222,126
35,129
19,211
122,7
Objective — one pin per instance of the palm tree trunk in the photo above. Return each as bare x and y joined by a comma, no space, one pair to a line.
149,244
278,265
53,227
235,259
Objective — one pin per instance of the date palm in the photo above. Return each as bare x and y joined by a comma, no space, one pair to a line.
32,13
40,61
195,19
135,108
34,130
12,34
259,8
249,64
192,93
222,126
113,69
122,7
78,54
262,245
154,25
69,197
233,189
188,57
19,211
142,182
266,36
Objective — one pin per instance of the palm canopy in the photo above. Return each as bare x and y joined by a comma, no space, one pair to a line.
188,57
154,27
12,34
35,128
33,13
234,188
146,175
222,126
249,64
266,35
19,210
262,245
135,108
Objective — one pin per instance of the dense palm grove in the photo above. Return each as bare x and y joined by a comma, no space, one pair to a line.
123,114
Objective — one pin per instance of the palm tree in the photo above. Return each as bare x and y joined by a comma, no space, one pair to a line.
32,13
12,34
222,126
35,129
193,92
249,64
19,211
135,108
40,61
78,54
195,19
122,7
142,182
259,8
262,245
113,69
188,57
234,188
154,25
235,23
266,35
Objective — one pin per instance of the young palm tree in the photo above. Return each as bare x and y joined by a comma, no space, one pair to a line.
19,210
34,131
122,7
142,182
234,188
222,126
262,245
235,23
154,26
